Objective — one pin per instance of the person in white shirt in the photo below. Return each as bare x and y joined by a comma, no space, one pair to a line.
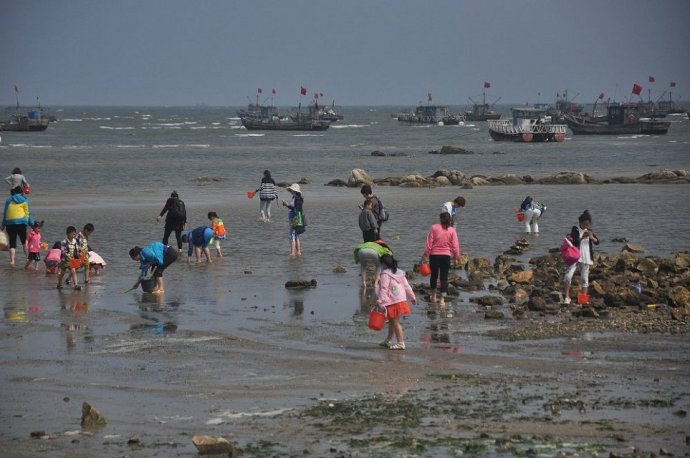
451,208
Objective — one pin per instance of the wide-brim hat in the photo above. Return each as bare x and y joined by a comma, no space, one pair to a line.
294,187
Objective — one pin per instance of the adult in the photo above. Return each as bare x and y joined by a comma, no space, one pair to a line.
441,243
16,179
533,211
15,218
267,194
294,215
157,257
175,220
199,239
368,256
452,208
376,206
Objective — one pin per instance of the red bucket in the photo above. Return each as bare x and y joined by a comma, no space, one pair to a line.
424,269
377,318
583,298
75,263
520,216
250,194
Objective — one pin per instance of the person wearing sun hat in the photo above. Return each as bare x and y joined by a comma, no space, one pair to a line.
294,216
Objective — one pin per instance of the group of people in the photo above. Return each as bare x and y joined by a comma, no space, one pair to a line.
378,265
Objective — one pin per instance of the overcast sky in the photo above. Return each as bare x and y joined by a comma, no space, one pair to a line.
368,52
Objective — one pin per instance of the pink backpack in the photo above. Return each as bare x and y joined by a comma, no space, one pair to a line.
569,252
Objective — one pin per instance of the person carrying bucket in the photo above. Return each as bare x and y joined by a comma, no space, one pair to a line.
583,237
267,194
392,291
157,257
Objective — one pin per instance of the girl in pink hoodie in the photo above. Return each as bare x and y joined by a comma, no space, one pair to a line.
441,243
392,290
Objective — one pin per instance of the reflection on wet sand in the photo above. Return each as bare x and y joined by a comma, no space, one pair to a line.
74,307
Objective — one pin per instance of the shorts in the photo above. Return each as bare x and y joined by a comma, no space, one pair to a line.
584,274
34,257
368,261
169,257
398,309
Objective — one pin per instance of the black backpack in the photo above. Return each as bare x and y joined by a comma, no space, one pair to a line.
177,210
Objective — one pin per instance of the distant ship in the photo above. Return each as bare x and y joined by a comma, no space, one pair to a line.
33,121
430,114
621,118
482,111
319,112
527,125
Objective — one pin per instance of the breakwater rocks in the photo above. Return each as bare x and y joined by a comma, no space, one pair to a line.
358,177
627,293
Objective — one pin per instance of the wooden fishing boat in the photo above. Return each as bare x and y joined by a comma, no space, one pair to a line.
621,119
278,123
526,125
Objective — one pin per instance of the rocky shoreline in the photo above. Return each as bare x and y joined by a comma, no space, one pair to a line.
627,293
440,178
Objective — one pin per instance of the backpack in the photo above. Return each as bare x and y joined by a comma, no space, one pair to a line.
569,252
177,210
382,214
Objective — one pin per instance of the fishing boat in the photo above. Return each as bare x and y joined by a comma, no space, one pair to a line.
430,114
254,110
482,111
320,112
284,123
564,106
621,119
32,121
526,125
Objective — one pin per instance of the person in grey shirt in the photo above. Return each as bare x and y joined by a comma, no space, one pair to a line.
16,179
368,223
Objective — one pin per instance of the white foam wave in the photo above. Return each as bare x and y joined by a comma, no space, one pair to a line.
166,146
71,120
236,415
348,126
249,135
129,146
199,146
116,128
307,135
97,119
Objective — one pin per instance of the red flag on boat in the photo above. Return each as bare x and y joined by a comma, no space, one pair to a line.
487,85
273,91
673,84
429,96
651,79
303,90
259,90
637,89
16,88
601,96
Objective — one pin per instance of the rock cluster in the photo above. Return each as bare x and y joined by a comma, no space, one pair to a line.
91,418
358,177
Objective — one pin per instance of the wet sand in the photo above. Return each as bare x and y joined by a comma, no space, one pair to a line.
233,354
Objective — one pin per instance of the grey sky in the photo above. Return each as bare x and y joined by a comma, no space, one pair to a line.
218,52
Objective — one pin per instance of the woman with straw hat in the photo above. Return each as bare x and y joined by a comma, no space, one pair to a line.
296,218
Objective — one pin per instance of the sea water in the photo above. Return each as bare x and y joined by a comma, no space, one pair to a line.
115,167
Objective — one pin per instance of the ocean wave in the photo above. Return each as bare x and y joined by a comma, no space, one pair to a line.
307,135
97,119
129,146
250,135
71,120
116,128
199,146
166,146
348,126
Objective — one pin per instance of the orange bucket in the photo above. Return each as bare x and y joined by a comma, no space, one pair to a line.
424,269
377,318
583,298
75,263
520,216
250,194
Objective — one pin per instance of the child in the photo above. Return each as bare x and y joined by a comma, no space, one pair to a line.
218,231
391,292
584,238
199,240
53,259
96,262
83,242
71,256
367,222
33,243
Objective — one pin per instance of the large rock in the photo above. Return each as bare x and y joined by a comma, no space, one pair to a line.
300,284
682,260
680,297
442,181
337,182
522,277
208,445
358,177
91,418
507,178
566,178
665,176
446,149
633,248
479,180
493,315
490,300
648,267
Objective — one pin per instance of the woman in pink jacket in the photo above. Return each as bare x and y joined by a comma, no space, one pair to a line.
392,290
441,243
